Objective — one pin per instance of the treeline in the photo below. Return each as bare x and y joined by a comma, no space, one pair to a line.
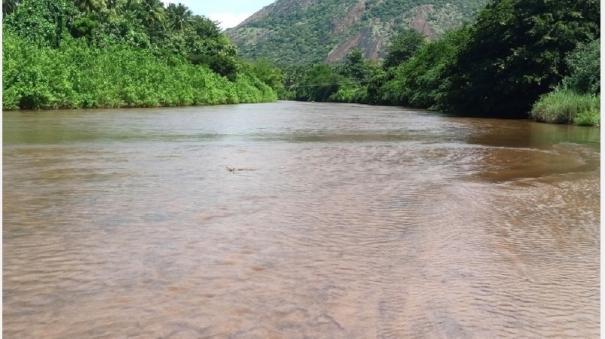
119,53
518,59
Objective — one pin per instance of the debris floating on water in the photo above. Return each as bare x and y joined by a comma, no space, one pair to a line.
235,169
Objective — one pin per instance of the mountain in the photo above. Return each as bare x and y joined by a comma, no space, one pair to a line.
305,31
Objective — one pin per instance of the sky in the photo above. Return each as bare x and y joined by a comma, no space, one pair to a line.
228,13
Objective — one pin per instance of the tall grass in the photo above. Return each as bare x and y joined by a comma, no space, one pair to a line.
79,76
565,106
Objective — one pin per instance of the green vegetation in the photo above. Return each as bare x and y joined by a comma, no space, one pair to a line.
585,68
420,81
347,81
577,99
402,47
516,52
564,106
120,53
517,59
294,32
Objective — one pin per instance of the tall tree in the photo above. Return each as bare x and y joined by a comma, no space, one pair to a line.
42,21
179,16
403,45
516,52
356,67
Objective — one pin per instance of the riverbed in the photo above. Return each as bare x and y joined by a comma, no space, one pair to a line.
294,220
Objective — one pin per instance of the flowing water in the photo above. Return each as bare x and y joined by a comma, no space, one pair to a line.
294,220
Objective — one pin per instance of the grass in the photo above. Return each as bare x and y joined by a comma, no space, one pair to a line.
564,107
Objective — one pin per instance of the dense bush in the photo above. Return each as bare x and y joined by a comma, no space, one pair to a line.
577,100
419,82
76,75
347,81
500,65
267,73
402,47
564,106
515,53
116,53
585,68
318,84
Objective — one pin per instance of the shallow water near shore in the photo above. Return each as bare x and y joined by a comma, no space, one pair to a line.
293,220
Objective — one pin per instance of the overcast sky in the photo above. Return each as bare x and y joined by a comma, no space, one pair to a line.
228,12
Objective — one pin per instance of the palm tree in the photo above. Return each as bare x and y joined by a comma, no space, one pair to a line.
91,5
154,9
179,16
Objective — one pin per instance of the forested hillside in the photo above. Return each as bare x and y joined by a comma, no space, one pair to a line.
503,64
301,32
117,53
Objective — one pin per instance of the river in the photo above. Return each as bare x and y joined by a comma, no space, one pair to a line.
294,220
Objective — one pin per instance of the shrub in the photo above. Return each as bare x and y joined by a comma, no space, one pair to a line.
584,64
564,106
78,76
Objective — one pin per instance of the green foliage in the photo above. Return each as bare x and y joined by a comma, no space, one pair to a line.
319,84
344,82
41,21
498,66
294,32
356,67
419,81
584,64
349,92
269,74
76,76
564,106
8,6
515,53
588,118
403,45
577,100
116,53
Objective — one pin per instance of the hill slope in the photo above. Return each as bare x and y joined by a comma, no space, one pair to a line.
303,31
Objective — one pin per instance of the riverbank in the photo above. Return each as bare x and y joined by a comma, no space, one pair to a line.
61,54
566,107
78,76
501,65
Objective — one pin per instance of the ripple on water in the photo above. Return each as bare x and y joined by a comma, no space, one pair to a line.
356,222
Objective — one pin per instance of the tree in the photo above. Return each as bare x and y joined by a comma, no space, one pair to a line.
8,6
153,9
42,21
179,16
268,73
203,27
90,5
515,53
584,64
403,45
356,67
318,84
419,81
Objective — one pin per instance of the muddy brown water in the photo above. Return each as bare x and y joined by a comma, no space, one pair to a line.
294,220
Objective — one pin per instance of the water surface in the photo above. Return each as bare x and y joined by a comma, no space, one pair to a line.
293,220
